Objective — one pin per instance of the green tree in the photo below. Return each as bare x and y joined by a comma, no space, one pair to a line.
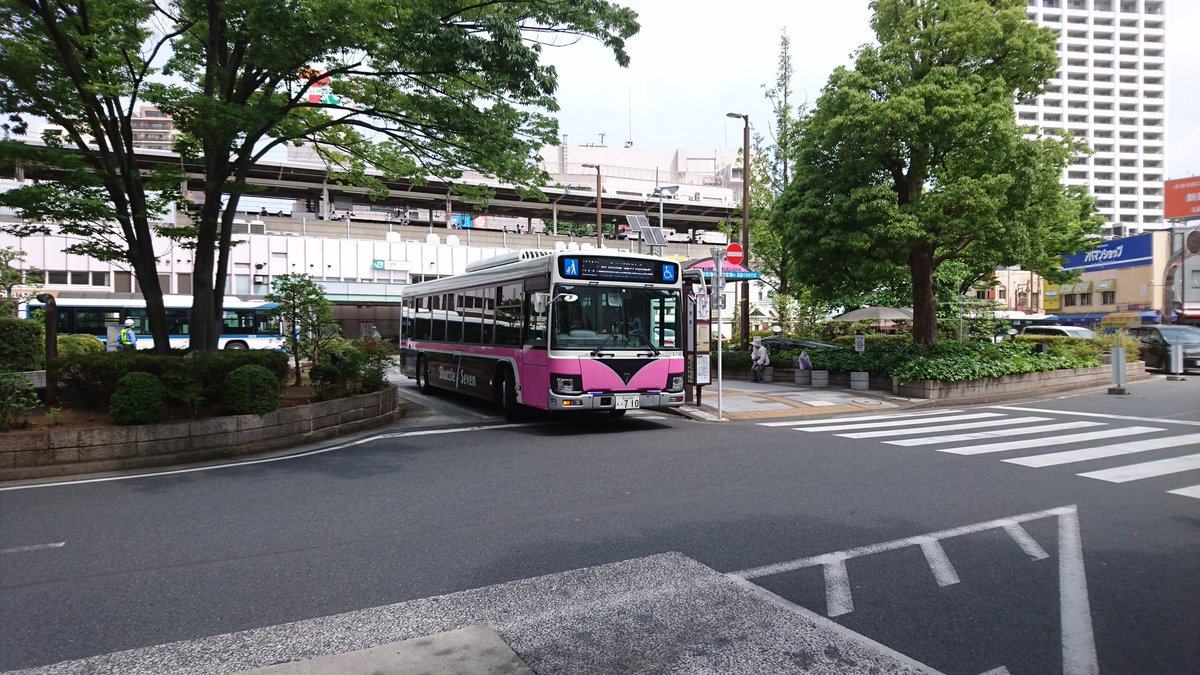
913,158
12,274
306,315
420,88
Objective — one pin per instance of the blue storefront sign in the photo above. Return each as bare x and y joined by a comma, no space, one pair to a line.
1114,254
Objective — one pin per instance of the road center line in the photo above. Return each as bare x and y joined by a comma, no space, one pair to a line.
267,460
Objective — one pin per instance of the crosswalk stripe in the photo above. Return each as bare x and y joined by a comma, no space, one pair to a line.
1161,467
899,423
995,433
1193,491
943,427
855,418
1100,451
1053,440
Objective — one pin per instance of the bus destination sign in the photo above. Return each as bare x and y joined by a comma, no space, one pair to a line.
619,269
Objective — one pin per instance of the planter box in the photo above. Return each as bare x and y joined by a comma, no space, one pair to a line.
859,380
820,379
1009,386
802,377
36,454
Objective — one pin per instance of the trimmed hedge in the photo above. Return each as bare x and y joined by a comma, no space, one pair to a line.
89,380
22,345
251,389
139,399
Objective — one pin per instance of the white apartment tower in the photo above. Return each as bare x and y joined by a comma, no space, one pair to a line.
1111,90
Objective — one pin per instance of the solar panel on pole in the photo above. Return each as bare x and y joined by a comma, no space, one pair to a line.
637,223
654,236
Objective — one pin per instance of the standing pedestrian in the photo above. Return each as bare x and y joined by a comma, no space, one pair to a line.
759,359
127,340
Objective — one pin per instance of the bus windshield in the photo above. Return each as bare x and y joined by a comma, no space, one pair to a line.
614,319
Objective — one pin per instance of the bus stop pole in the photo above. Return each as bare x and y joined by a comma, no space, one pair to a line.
718,256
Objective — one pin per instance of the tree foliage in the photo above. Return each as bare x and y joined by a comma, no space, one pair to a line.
306,315
410,90
13,274
913,158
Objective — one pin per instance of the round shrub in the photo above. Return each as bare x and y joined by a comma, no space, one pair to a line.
139,399
326,378
70,345
251,389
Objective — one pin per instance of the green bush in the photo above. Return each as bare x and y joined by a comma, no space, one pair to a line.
71,345
17,398
326,379
22,346
980,360
140,398
251,389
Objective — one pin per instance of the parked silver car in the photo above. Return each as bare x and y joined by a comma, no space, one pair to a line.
1061,331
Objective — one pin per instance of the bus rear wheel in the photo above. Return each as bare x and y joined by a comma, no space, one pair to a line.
508,396
423,376
235,345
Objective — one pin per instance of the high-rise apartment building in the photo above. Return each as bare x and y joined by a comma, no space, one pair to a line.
1110,90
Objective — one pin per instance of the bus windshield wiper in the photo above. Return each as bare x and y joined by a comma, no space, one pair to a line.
641,334
607,339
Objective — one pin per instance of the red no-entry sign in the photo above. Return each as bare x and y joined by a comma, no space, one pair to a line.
734,253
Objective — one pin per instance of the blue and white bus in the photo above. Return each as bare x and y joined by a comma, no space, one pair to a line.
246,324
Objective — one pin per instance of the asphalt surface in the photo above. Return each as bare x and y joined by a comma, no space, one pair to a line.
627,534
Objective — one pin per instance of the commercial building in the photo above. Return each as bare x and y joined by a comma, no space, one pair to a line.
1110,90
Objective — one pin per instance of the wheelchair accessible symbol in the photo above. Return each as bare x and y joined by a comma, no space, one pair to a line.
668,273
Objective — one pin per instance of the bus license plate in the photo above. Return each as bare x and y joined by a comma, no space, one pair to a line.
628,401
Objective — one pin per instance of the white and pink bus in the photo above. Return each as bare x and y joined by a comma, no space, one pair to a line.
571,330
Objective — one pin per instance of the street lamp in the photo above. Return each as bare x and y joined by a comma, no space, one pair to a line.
51,345
660,192
599,207
745,318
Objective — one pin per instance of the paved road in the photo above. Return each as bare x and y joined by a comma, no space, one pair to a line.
855,547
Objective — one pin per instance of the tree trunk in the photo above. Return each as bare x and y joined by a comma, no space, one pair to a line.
204,329
920,262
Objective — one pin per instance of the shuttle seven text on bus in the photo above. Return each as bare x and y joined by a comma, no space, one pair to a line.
559,331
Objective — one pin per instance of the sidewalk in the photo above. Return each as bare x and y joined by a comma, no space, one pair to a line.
745,400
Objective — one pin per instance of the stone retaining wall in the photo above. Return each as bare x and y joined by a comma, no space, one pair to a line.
974,391
1009,386
37,454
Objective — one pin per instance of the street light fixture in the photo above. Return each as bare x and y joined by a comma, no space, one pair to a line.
660,192
745,318
599,207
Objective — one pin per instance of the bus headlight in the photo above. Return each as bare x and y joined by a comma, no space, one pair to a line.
567,384
675,382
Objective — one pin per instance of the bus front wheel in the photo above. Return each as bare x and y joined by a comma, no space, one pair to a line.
235,345
423,376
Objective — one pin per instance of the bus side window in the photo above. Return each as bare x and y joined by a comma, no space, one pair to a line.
508,315
535,324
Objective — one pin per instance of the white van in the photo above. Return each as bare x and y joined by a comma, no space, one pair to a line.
1061,331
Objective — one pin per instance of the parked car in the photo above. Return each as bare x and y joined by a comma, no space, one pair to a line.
1061,331
1157,342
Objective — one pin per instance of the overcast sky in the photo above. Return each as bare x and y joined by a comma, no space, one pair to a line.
696,60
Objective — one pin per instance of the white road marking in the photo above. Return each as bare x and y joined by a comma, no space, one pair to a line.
1161,467
34,547
853,418
838,599
1113,450
897,423
1027,543
820,404
1106,416
997,671
266,460
832,625
944,427
995,433
1193,492
1078,640
943,569
1053,440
